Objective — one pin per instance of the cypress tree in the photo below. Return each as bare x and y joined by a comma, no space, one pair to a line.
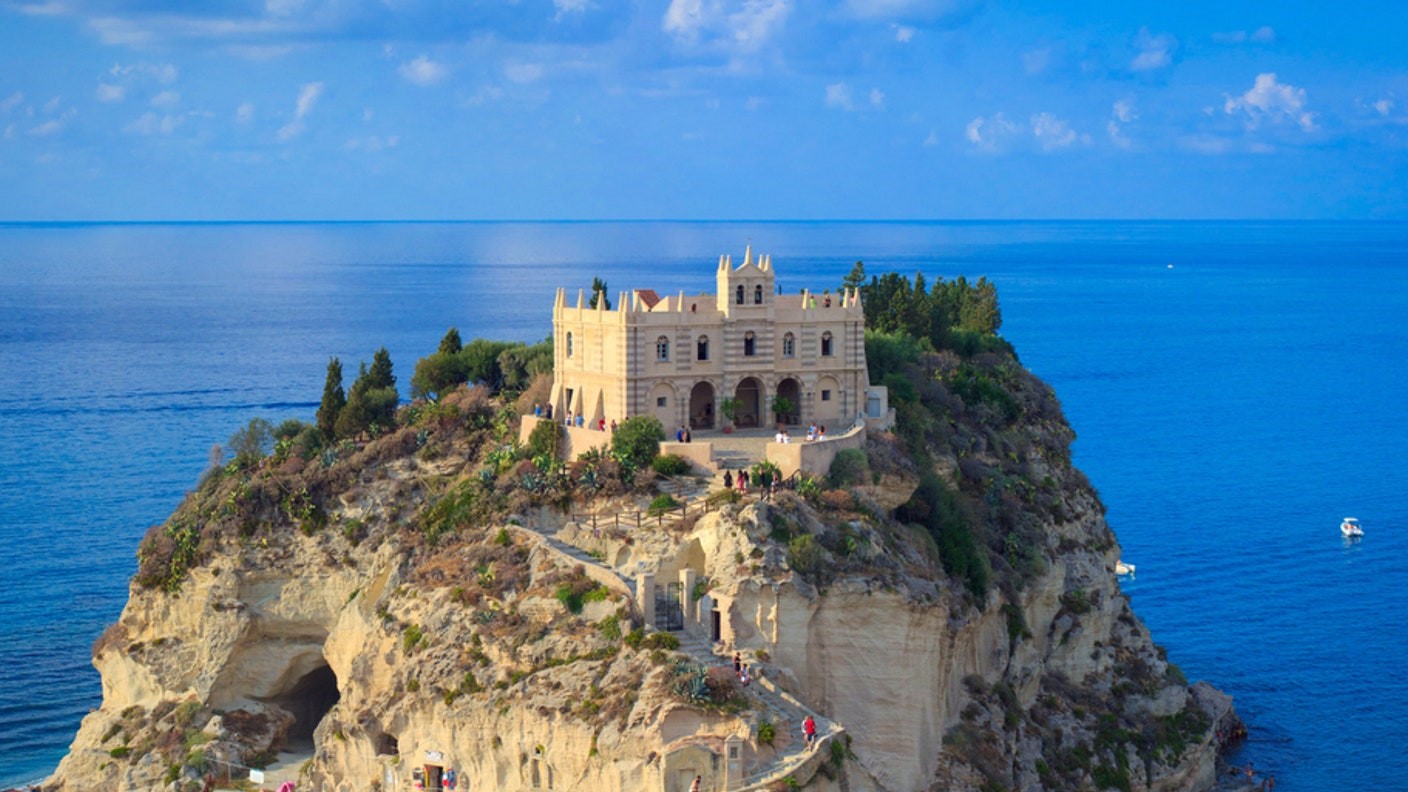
380,375
451,344
333,400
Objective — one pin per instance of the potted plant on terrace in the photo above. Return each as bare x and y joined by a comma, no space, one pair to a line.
782,408
729,407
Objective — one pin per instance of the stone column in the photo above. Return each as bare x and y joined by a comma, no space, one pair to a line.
691,605
645,592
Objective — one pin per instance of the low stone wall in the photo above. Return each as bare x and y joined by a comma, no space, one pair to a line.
813,457
575,440
700,454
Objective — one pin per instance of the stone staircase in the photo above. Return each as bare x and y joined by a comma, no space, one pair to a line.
786,713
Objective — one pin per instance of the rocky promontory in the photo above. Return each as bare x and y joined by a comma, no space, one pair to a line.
433,598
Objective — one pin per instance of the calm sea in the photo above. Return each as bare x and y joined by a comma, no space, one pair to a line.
1237,388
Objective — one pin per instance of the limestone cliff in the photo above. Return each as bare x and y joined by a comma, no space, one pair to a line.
424,603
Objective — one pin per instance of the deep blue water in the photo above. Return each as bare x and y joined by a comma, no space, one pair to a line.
1230,410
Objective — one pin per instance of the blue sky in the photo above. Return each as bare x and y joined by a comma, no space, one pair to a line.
758,109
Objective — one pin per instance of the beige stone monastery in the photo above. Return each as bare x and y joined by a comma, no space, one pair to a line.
679,357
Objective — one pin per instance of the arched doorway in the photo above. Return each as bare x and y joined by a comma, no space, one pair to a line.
750,397
701,406
790,390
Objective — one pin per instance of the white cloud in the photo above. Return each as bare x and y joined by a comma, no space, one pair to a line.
307,99
932,139
153,124
1117,136
1273,102
9,131
1052,133
11,102
54,125
565,7
989,133
907,9
110,93
1123,111
422,71
1262,35
1155,52
485,94
166,99
753,103
877,97
283,7
164,73
53,105
744,25
372,143
904,33
839,95
522,72
244,113
1383,107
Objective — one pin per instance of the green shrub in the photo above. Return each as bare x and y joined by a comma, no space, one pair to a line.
804,554
545,440
637,440
850,467
635,638
661,640
662,504
1077,601
767,732
670,465
610,627
412,637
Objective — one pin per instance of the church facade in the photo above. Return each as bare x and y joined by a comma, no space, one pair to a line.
680,357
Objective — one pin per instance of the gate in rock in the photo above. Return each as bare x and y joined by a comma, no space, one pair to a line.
669,613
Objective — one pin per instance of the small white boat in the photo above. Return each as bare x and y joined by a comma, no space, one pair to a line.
1122,569
1350,528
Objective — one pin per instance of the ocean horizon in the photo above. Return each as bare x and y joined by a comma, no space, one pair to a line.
1234,387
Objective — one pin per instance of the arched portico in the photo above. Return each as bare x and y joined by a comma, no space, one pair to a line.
701,406
750,396
791,390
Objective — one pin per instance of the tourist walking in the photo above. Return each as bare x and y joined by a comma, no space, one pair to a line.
809,730
728,479
694,785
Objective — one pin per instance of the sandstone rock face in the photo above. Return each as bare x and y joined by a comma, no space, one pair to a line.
382,658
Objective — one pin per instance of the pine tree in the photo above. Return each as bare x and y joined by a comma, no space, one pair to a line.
333,400
855,279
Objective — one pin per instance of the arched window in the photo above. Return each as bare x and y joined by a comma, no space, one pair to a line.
757,295
826,344
748,345
702,349
789,345
662,348
738,295
569,345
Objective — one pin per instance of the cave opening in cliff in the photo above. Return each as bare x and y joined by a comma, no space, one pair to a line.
309,700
